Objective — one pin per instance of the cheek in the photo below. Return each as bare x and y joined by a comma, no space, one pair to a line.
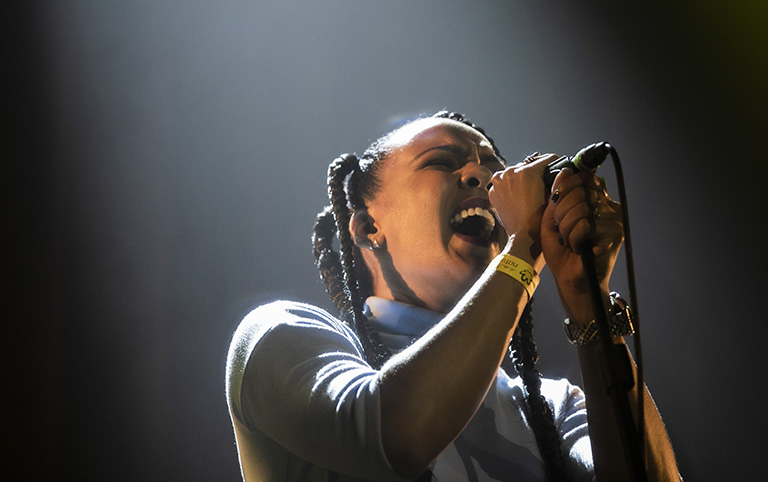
415,211
424,208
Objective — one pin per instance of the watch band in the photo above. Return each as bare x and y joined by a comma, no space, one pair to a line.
619,321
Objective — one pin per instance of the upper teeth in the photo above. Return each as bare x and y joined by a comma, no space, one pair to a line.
465,213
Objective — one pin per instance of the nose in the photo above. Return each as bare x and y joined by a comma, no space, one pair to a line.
474,175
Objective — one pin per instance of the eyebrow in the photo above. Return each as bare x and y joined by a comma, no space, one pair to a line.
452,148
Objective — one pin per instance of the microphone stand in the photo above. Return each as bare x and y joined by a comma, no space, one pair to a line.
616,371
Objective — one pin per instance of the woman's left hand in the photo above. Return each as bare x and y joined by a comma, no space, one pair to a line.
580,211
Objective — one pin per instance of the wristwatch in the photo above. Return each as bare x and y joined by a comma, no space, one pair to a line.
619,321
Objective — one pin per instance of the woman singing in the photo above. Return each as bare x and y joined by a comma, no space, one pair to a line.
440,246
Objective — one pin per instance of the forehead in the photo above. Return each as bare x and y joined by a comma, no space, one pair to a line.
425,133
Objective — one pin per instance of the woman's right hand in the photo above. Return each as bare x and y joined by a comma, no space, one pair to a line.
518,196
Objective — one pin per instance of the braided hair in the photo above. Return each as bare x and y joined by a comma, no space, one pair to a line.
524,358
339,271
352,181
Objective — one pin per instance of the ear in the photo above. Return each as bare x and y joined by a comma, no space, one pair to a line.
363,228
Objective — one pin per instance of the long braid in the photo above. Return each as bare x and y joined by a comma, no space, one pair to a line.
327,260
525,357
338,171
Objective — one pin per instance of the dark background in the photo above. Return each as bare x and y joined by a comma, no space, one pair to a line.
163,163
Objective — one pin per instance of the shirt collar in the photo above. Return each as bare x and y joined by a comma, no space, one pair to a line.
395,318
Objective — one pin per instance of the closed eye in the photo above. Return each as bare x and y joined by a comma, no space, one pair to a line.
442,163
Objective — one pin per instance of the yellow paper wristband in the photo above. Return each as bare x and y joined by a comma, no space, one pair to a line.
517,269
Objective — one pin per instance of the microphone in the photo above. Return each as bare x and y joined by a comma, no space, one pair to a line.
587,159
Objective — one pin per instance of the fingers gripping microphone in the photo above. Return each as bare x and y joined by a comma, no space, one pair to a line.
587,159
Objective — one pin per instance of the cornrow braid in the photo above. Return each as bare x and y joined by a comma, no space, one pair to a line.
524,358
352,310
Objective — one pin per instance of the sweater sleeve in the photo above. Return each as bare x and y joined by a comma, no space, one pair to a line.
297,375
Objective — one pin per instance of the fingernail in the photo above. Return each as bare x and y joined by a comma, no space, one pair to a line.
557,227
555,195
561,241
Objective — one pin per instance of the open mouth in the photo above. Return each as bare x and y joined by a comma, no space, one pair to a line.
474,221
